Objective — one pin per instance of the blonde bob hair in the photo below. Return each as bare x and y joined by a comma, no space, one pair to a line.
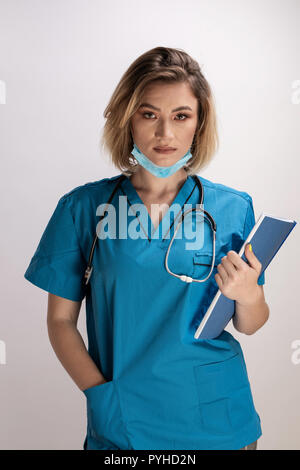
168,65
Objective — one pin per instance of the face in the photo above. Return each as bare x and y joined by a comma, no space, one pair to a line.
159,124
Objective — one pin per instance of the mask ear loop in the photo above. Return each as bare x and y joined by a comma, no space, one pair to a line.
183,277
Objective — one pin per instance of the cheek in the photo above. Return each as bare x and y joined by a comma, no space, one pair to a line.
189,129
140,126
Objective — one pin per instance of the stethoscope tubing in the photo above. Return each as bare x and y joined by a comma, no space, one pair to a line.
183,277
89,269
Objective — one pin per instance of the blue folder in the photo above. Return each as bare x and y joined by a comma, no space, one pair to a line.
267,236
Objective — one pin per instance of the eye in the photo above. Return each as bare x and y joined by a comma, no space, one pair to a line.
185,115
144,114
180,114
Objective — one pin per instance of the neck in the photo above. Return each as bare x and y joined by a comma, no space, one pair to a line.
144,181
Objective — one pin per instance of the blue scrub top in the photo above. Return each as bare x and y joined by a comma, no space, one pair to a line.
165,389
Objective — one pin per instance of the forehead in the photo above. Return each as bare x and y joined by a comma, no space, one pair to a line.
171,94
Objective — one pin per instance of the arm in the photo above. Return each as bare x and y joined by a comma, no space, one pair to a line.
68,344
249,318
237,280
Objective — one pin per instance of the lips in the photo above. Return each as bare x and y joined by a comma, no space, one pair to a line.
164,148
164,151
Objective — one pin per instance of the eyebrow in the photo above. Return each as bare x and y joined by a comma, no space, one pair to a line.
147,105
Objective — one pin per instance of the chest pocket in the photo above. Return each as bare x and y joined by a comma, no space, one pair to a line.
202,264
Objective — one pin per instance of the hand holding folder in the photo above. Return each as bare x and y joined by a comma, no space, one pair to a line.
267,236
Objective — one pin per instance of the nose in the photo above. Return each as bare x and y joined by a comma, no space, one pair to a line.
164,131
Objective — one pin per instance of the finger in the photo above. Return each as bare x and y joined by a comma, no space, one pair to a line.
253,260
236,260
218,280
222,272
229,267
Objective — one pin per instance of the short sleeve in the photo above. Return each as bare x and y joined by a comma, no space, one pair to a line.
57,265
249,224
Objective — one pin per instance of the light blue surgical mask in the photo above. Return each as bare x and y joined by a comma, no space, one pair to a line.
157,170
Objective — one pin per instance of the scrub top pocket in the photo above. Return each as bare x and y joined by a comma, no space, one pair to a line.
225,399
202,265
104,415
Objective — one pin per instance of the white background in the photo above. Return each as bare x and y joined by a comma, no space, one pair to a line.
60,61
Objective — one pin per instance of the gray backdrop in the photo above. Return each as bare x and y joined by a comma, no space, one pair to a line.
60,61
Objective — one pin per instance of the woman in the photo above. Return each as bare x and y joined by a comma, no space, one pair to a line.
148,383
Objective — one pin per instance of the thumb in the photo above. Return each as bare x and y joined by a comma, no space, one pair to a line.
253,260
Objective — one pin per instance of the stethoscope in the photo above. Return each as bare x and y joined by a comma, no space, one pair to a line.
182,277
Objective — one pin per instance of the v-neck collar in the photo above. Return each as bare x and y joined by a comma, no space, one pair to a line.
181,198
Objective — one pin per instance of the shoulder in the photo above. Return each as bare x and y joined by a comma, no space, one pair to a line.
232,210
94,191
224,192
222,188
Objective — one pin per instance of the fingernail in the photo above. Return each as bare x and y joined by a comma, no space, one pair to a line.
250,247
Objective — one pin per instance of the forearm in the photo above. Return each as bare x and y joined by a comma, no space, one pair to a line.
70,349
248,318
